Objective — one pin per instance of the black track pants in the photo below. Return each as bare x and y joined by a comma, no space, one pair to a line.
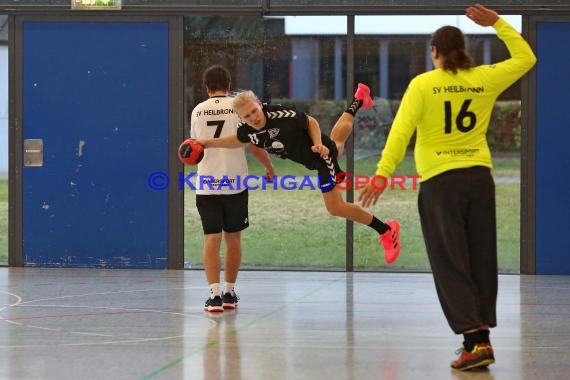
457,213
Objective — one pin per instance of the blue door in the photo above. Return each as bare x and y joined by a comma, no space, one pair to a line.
96,97
552,139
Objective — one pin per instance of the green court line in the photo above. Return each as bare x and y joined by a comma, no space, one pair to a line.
248,325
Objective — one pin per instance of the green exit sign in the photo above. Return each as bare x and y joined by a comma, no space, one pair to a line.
96,4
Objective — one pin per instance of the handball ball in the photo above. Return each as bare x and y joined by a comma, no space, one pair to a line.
190,152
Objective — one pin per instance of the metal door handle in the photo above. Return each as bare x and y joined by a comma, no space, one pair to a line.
33,152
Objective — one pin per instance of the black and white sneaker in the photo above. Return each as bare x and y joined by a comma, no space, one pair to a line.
230,301
214,304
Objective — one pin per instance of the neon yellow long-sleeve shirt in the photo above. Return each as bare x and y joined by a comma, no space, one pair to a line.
451,112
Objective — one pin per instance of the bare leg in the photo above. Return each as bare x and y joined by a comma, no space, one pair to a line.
212,263
337,206
341,131
232,260
343,127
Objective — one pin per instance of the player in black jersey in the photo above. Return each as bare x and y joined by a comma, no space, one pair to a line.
296,136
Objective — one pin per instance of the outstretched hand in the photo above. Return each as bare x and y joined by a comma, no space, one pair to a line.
481,15
369,195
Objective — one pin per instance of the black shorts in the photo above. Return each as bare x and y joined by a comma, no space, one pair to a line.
227,213
329,170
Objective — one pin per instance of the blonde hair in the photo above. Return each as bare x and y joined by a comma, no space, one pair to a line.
243,97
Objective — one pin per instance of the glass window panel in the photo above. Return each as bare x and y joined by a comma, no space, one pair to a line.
3,140
388,62
408,3
288,228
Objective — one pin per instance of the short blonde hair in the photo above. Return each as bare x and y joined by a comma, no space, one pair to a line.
243,97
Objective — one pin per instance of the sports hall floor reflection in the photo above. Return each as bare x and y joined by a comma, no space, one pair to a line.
145,324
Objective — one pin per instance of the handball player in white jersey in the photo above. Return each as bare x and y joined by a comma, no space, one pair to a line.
223,208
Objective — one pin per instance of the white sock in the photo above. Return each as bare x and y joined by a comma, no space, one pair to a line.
229,287
214,289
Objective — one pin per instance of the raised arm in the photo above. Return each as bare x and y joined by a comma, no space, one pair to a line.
503,74
481,15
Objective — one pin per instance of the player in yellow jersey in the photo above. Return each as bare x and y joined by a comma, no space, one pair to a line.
449,108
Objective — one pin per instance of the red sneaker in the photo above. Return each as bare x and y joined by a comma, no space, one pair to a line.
390,240
363,93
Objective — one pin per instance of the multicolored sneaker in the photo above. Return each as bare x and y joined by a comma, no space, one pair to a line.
363,93
390,240
481,356
214,305
230,301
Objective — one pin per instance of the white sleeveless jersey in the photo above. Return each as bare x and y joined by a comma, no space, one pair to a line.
222,170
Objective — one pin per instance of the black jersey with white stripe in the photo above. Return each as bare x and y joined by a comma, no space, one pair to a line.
285,134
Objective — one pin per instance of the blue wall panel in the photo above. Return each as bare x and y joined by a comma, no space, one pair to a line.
97,94
552,152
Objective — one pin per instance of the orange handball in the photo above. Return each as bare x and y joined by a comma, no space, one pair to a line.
190,152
